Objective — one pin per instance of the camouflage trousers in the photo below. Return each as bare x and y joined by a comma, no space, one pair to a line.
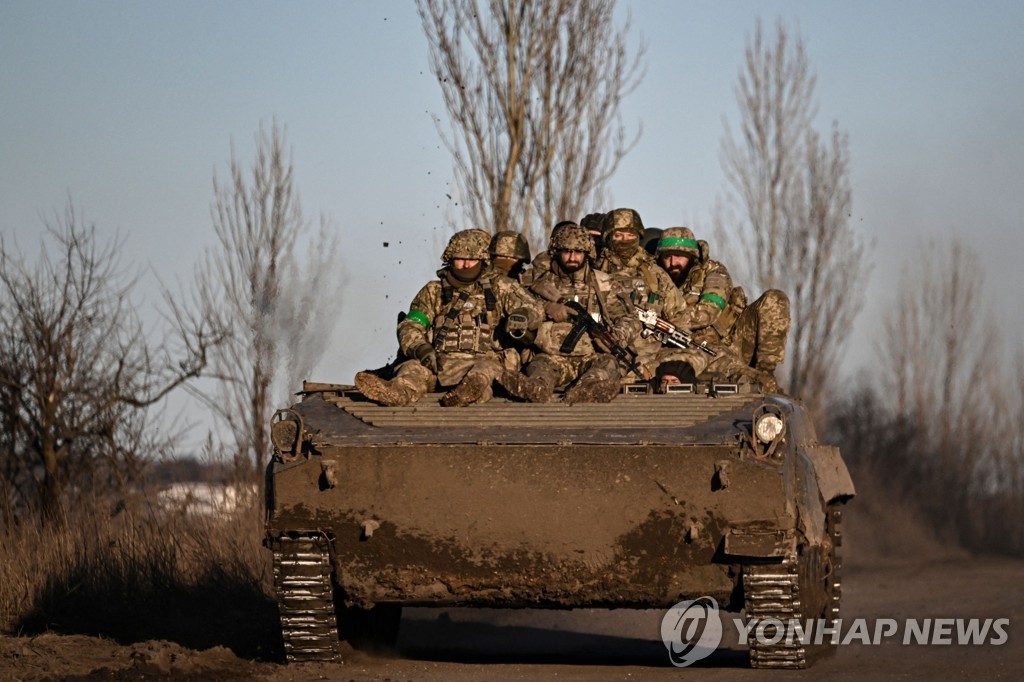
759,335
562,370
705,366
453,368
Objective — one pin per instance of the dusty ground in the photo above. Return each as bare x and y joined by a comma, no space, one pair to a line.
898,578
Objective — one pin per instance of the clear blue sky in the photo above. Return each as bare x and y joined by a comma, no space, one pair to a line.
130,106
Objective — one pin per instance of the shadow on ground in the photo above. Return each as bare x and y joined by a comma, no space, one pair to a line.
214,613
545,637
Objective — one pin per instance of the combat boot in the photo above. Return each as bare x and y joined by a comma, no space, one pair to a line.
523,387
381,391
768,382
589,390
749,375
470,390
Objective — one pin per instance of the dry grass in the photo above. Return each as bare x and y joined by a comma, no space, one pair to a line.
133,572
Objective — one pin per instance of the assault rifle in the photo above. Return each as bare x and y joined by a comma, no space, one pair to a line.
668,333
600,333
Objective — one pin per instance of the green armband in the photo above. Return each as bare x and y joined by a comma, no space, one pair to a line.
419,318
714,298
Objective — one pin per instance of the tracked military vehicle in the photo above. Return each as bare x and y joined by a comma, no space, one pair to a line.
710,490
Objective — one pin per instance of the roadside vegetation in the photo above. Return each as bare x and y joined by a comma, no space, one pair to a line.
131,570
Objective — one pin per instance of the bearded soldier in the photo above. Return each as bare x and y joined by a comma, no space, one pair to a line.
566,356
718,313
449,332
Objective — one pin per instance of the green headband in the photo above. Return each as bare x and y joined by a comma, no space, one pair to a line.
669,242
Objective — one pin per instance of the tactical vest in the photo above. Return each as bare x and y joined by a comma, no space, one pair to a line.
468,318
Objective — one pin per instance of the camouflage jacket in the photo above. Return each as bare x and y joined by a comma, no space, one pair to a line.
649,287
456,317
597,293
712,303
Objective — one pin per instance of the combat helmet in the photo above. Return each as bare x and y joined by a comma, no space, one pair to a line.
572,237
470,244
622,219
511,245
679,240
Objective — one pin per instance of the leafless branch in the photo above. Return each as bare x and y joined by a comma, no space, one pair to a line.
532,91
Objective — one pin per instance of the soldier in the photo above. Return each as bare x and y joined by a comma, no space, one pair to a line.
718,313
542,263
635,271
586,361
593,223
450,330
510,254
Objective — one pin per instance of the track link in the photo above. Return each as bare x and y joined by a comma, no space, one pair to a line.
772,591
302,577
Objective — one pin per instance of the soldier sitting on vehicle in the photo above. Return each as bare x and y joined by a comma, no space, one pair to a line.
593,223
450,329
635,272
717,313
571,349
510,254
542,262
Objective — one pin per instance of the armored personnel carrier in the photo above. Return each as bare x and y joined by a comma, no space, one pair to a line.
710,490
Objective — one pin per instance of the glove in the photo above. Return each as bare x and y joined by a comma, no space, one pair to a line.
602,344
427,356
557,312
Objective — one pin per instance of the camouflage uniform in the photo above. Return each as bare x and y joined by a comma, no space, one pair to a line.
718,313
596,373
637,273
452,324
510,244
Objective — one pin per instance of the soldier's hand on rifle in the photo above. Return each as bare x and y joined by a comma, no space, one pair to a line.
602,344
427,356
557,311
625,330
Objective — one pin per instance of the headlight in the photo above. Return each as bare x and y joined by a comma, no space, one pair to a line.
769,430
768,427
286,433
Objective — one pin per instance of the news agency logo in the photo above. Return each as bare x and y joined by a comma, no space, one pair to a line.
691,630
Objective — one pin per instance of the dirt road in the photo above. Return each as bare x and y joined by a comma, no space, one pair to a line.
899,583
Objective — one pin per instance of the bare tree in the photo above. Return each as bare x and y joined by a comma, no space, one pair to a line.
791,191
941,368
274,287
76,368
533,91
947,377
